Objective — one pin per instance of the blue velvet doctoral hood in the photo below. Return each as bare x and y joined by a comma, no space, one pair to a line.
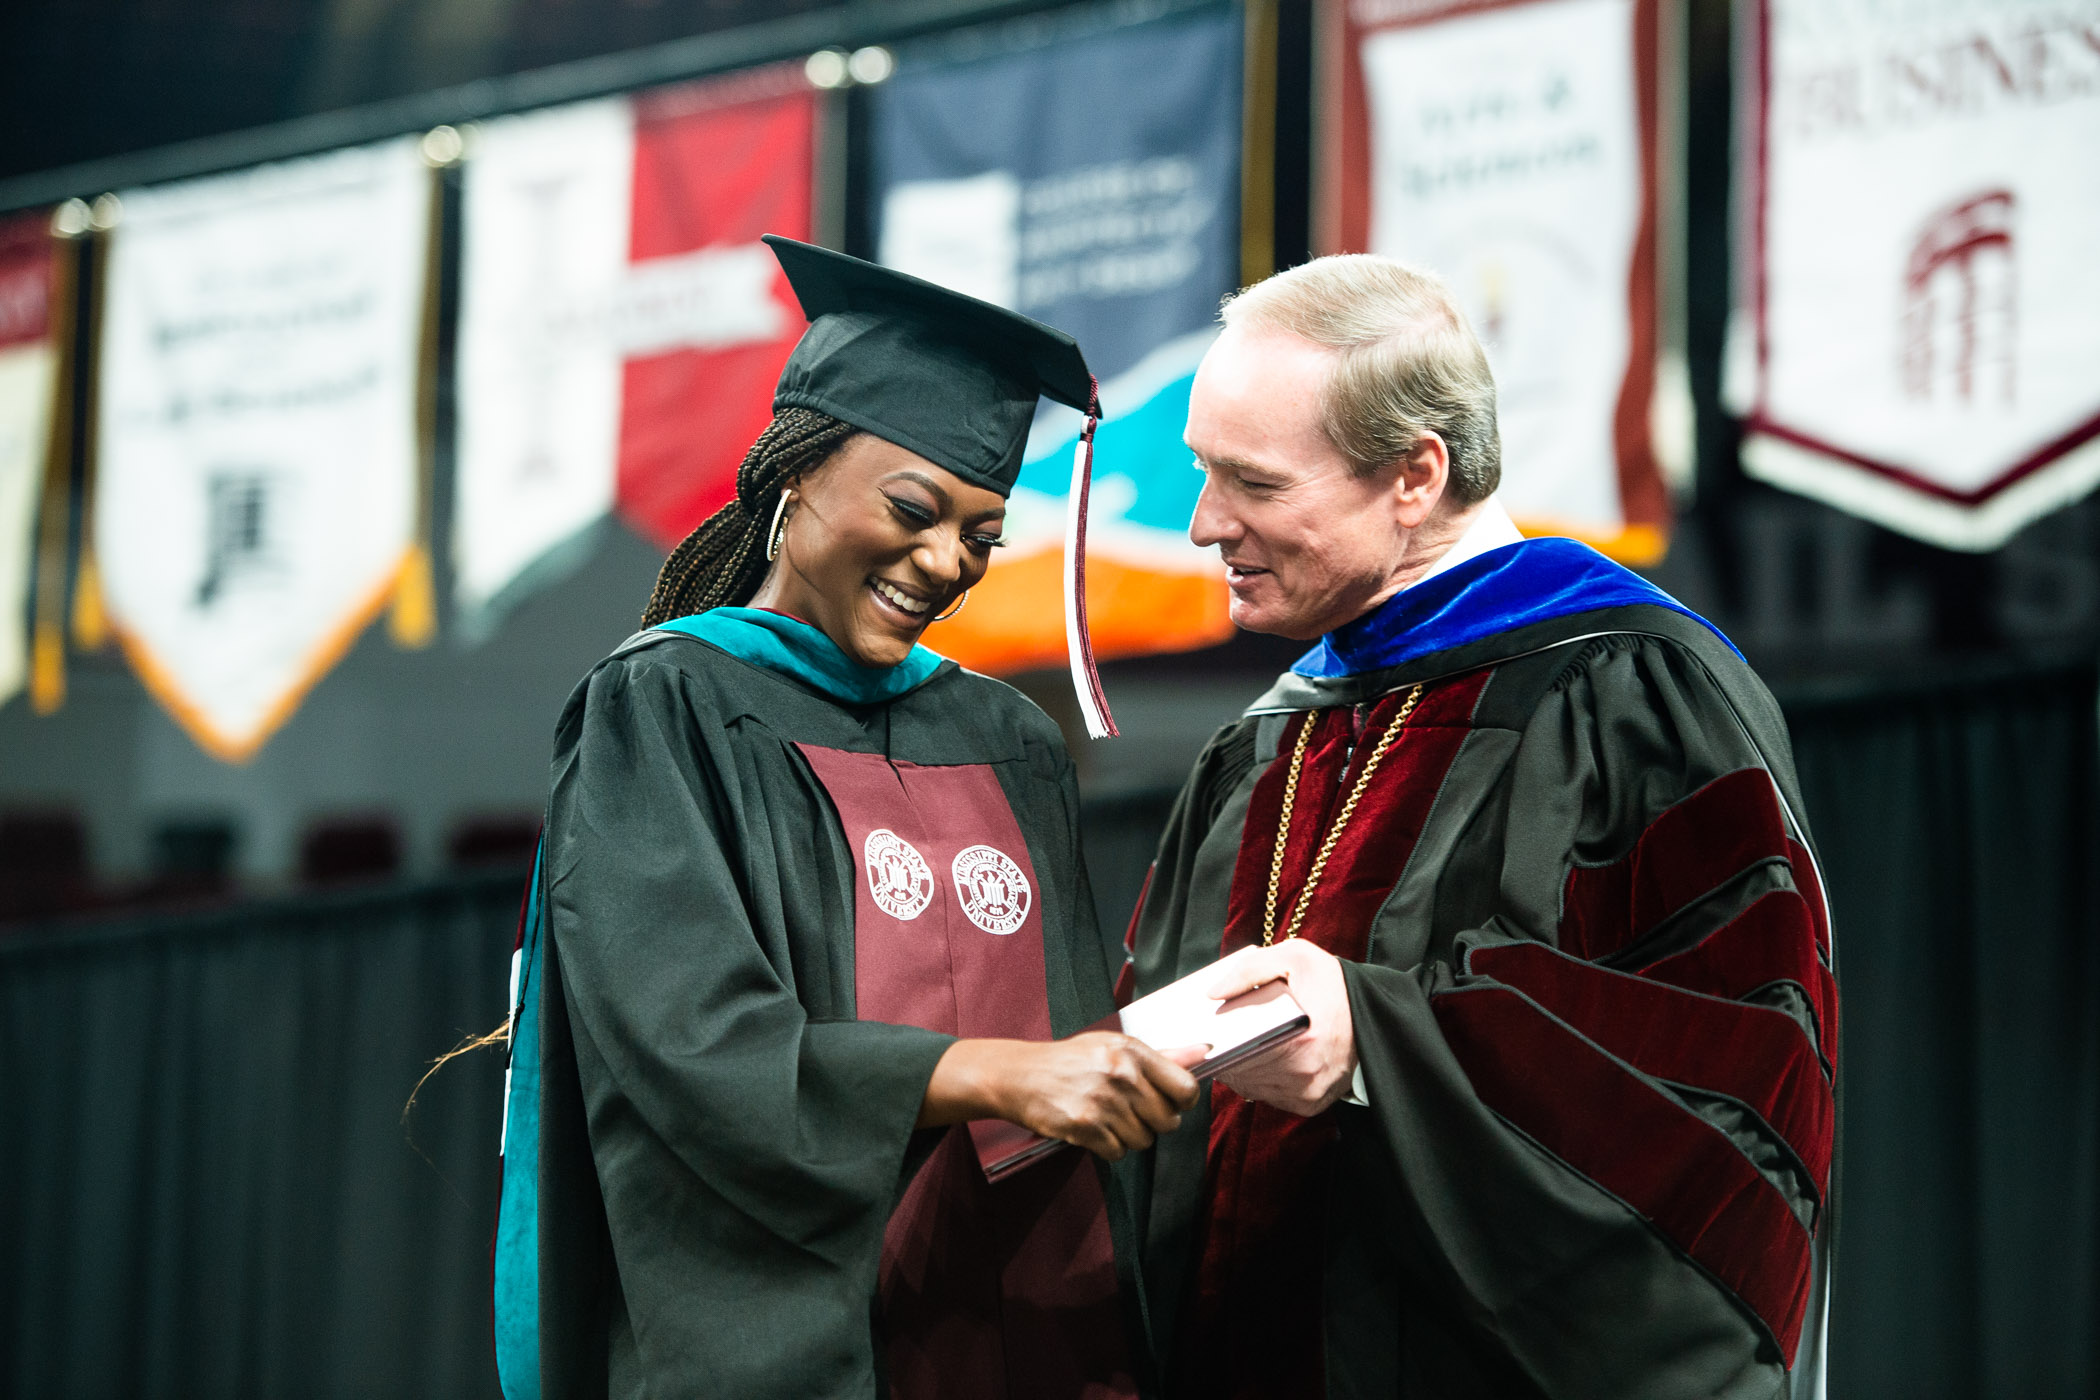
1500,591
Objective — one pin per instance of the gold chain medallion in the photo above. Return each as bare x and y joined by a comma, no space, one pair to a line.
1334,834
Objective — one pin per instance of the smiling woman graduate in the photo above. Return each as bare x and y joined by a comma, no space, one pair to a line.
808,912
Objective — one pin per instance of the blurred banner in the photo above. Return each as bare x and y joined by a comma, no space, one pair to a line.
1511,147
28,371
621,326
257,438
1087,176
1921,198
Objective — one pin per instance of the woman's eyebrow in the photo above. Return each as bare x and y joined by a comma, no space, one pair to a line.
924,480
941,495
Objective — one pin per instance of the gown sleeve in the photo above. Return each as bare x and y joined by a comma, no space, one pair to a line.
1607,1105
748,1155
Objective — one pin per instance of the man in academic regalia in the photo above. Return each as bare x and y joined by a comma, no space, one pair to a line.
1523,835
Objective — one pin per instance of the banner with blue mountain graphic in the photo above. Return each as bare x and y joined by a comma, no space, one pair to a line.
1083,170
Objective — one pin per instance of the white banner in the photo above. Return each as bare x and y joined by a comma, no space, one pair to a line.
544,248
26,373
1502,146
257,454
621,325
1923,191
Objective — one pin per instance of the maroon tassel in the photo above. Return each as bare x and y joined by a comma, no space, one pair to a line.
1079,644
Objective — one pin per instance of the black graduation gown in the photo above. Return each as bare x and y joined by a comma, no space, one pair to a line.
1589,969
722,1141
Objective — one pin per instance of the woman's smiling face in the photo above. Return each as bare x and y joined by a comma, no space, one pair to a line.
878,541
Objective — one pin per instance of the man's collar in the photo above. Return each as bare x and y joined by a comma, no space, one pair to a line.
1496,590
1490,528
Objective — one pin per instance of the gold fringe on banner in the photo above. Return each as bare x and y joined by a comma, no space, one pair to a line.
47,644
1258,144
412,620
90,621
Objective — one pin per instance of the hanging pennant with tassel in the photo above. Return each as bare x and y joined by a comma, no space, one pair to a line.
412,619
86,618
1079,645
70,226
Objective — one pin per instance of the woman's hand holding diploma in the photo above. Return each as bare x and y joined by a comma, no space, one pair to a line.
1107,1092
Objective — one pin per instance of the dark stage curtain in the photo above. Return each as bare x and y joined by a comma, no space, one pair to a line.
1961,844
206,1189
205,1186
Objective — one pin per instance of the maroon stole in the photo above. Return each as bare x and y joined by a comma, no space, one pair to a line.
1006,1290
1251,1330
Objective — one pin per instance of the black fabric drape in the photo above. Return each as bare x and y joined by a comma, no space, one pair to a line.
205,1189
1961,844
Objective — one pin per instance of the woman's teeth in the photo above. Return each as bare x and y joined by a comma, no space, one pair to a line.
902,600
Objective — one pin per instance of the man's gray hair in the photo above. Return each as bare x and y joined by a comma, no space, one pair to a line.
1407,362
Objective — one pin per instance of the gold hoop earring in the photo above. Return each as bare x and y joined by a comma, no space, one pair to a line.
957,608
779,530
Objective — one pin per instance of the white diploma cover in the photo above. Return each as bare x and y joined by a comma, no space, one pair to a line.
1178,1015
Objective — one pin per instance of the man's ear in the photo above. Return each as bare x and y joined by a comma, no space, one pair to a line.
1418,487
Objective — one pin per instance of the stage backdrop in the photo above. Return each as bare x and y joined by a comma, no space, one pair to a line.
1511,148
620,324
1920,202
28,364
205,1186
1088,176
257,443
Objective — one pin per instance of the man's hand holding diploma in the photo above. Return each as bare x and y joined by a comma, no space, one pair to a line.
1313,1070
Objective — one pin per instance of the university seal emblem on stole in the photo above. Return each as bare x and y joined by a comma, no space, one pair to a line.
898,875
994,892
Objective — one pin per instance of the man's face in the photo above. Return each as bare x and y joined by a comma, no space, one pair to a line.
1308,544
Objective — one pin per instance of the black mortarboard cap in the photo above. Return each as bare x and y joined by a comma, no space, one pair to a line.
952,378
948,376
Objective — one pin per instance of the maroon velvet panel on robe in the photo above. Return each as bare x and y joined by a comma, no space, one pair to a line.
1688,1178
1697,845
1680,1020
1754,1054
985,1290
1774,940
1252,1326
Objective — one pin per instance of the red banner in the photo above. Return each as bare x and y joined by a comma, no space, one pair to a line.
27,366
621,325
25,278
714,167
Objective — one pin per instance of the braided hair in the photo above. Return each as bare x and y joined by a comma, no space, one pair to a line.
722,563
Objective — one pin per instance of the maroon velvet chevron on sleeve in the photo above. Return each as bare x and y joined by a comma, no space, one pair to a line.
1622,1040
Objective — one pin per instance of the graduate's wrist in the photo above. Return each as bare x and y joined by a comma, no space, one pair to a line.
964,1085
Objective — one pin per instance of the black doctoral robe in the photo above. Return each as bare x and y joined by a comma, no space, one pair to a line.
720,1141
1590,973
